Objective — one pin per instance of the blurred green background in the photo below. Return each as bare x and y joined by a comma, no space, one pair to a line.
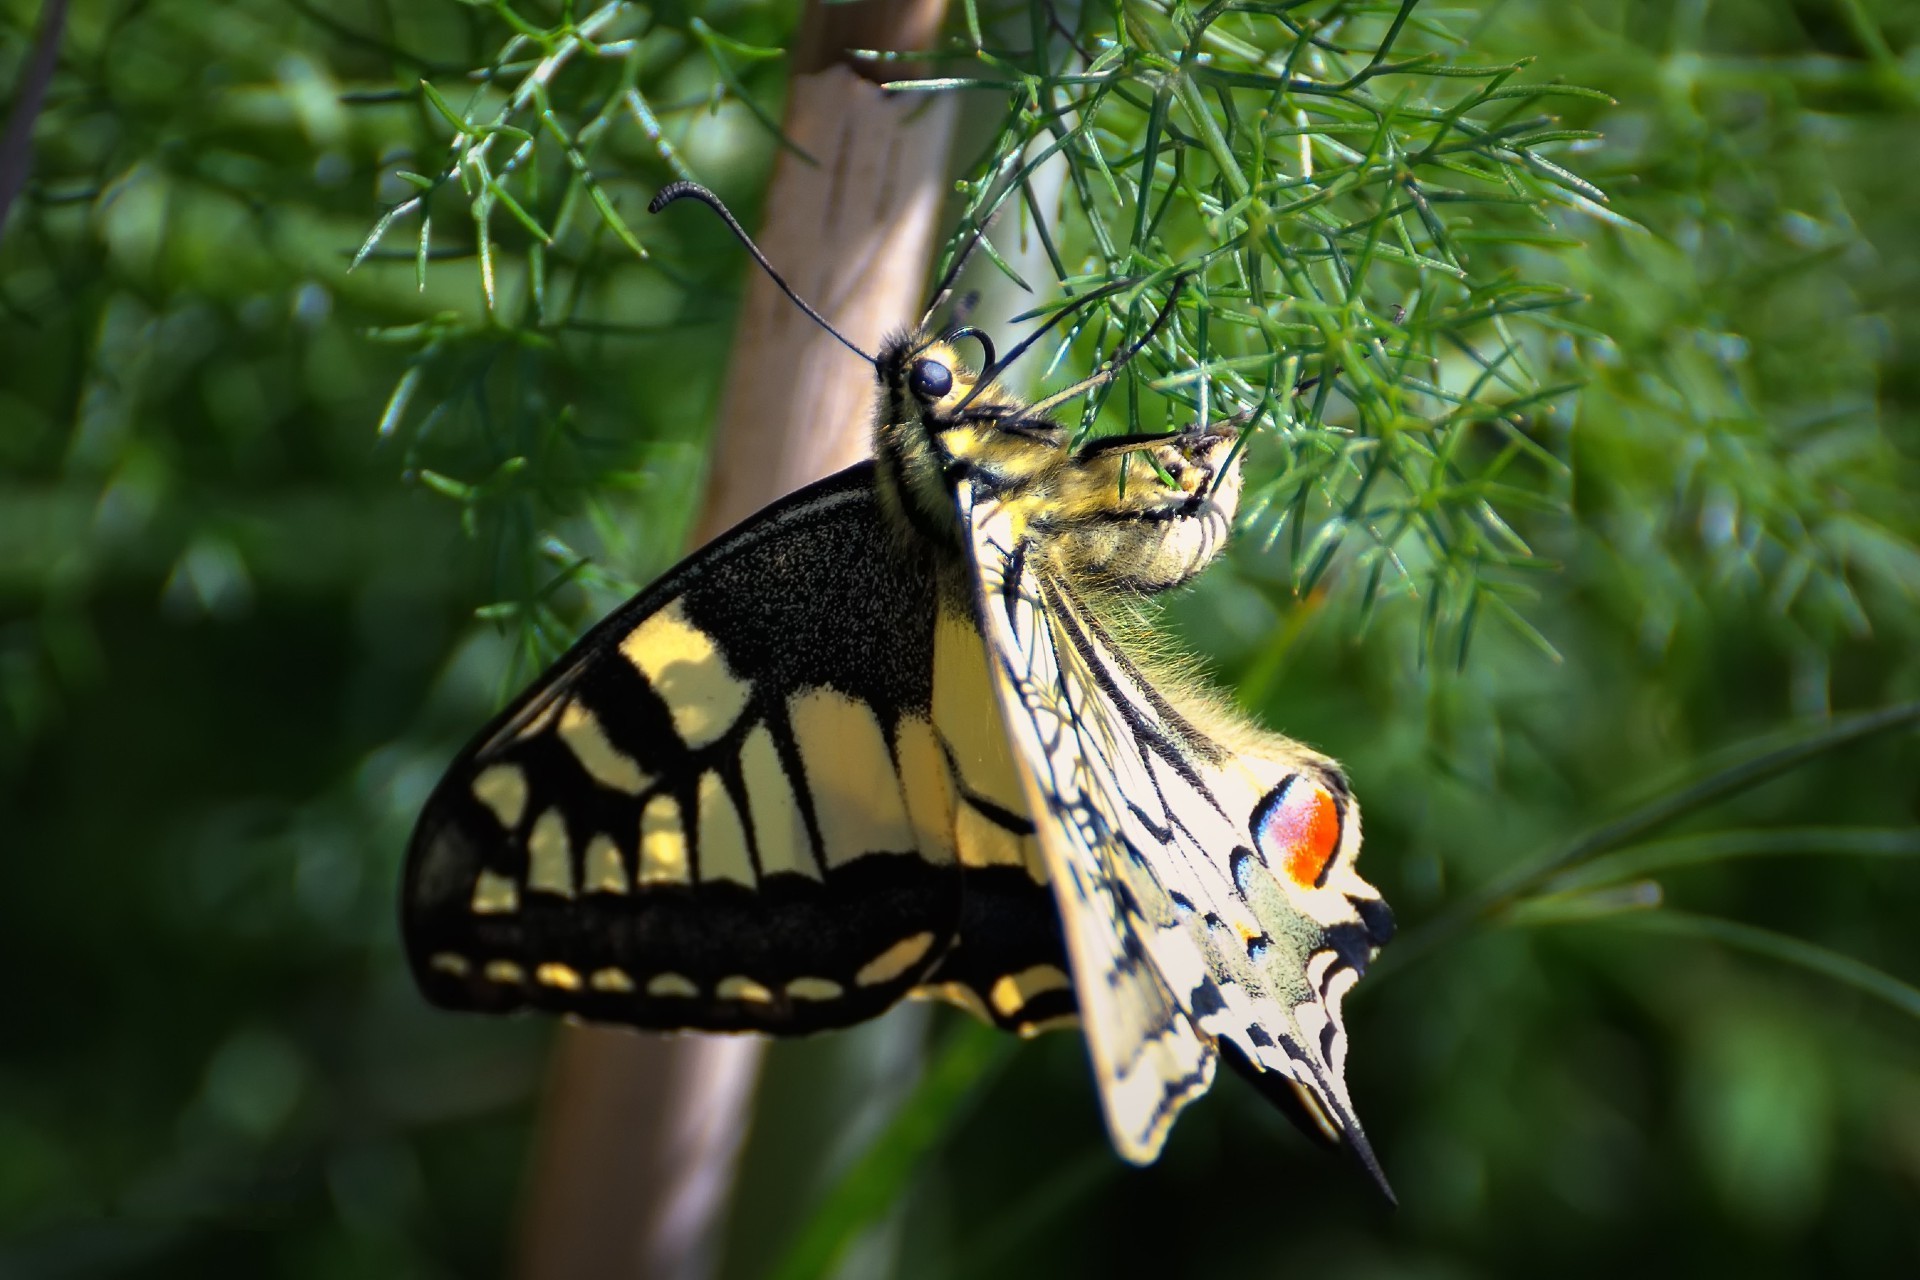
250,503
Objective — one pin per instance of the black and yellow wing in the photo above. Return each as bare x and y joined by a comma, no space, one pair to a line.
1204,870
729,806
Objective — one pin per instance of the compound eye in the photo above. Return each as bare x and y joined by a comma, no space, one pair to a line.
929,379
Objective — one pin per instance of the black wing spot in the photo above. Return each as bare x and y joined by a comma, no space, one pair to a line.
1257,947
1242,862
1336,779
1205,1000
1377,916
1257,1034
1352,944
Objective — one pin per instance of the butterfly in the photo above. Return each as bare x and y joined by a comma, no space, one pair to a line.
904,733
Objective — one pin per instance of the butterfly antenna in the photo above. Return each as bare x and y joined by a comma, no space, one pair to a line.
944,290
1118,360
683,190
979,336
994,368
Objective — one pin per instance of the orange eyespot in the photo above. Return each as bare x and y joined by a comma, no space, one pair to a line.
1304,829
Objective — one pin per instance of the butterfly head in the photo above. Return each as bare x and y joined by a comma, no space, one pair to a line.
942,421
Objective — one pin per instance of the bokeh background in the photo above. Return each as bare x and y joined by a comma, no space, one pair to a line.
267,557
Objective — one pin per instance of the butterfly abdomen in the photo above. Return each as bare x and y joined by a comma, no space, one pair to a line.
1142,515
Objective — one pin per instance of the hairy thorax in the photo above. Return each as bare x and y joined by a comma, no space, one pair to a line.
1130,514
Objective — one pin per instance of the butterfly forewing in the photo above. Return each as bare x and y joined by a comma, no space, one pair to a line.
746,802
721,809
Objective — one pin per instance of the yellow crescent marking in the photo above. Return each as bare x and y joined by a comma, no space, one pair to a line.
815,989
895,960
550,856
685,668
954,993
448,962
1035,858
581,730
856,794
1059,1022
1011,992
538,724
742,988
671,984
984,842
663,843
495,894
554,974
502,788
504,971
610,979
604,872
779,832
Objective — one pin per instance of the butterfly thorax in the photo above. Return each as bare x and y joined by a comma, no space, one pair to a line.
1137,514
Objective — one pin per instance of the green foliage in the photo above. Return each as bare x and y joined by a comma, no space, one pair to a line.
1336,194
1316,177
260,471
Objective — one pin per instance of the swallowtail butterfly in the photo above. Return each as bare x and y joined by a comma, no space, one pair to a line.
889,737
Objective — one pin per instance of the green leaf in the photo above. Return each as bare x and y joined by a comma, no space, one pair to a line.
460,124
1587,904
1777,946
966,1061
1725,846
1752,764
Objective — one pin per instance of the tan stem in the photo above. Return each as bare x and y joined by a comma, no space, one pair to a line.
853,238
639,1135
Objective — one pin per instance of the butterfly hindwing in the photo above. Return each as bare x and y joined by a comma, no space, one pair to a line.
1007,963
1147,1056
1206,885
725,808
